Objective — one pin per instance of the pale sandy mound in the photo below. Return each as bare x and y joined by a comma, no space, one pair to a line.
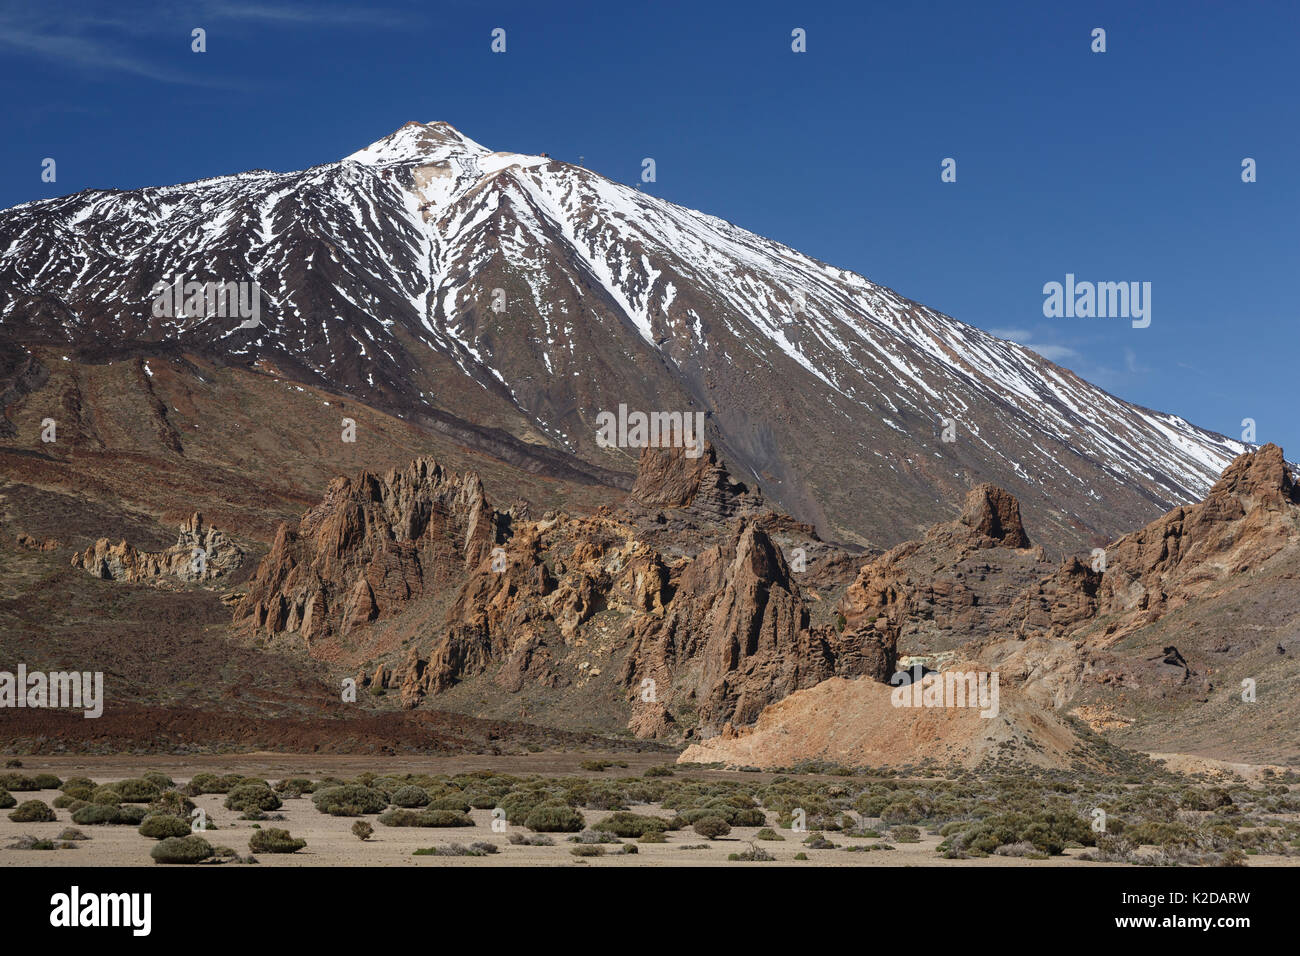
855,724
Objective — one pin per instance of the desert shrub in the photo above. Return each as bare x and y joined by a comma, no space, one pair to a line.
17,782
801,855
362,830
588,849
627,824
173,802
554,818
449,802
425,818
106,795
767,833
159,780
187,849
593,836
530,839
29,842
73,782
519,803
477,848
159,826
1209,799
295,786
711,827
93,813
1049,830
132,815
273,840
72,834
410,797
136,790
349,800
661,771
817,841
47,781
7,800
13,762
653,836
211,783
753,854
1162,833
33,811
252,796
905,834
1022,849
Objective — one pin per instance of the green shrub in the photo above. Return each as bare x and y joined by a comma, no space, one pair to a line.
173,802
554,818
711,827
251,796
77,782
411,797
33,811
767,833
188,849
159,826
274,840
295,786
653,836
627,824
136,790
93,813
362,830
349,800
132,815
661,771
106,795
425,818
47,781
159,780
17,782
7,800
588,849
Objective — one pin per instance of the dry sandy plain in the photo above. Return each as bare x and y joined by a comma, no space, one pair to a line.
330,842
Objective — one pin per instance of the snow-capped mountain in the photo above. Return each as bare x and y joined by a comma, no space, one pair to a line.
426,261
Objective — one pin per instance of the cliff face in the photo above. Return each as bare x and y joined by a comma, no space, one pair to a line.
677,613
373,544
1250,515
932,595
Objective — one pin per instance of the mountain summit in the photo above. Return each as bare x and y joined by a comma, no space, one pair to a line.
515,298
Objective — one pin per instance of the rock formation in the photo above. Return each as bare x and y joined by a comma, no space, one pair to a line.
373,544
201,553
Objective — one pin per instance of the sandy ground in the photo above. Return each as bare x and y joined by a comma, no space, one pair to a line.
330,842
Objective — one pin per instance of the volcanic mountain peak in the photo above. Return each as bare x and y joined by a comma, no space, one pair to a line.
418,143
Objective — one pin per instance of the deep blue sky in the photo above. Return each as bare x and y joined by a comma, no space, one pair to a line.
1117,166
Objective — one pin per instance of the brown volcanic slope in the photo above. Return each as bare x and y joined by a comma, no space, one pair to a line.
1151,651
687,589
1155,647
379,276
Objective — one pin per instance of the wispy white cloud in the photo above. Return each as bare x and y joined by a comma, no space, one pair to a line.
125,40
